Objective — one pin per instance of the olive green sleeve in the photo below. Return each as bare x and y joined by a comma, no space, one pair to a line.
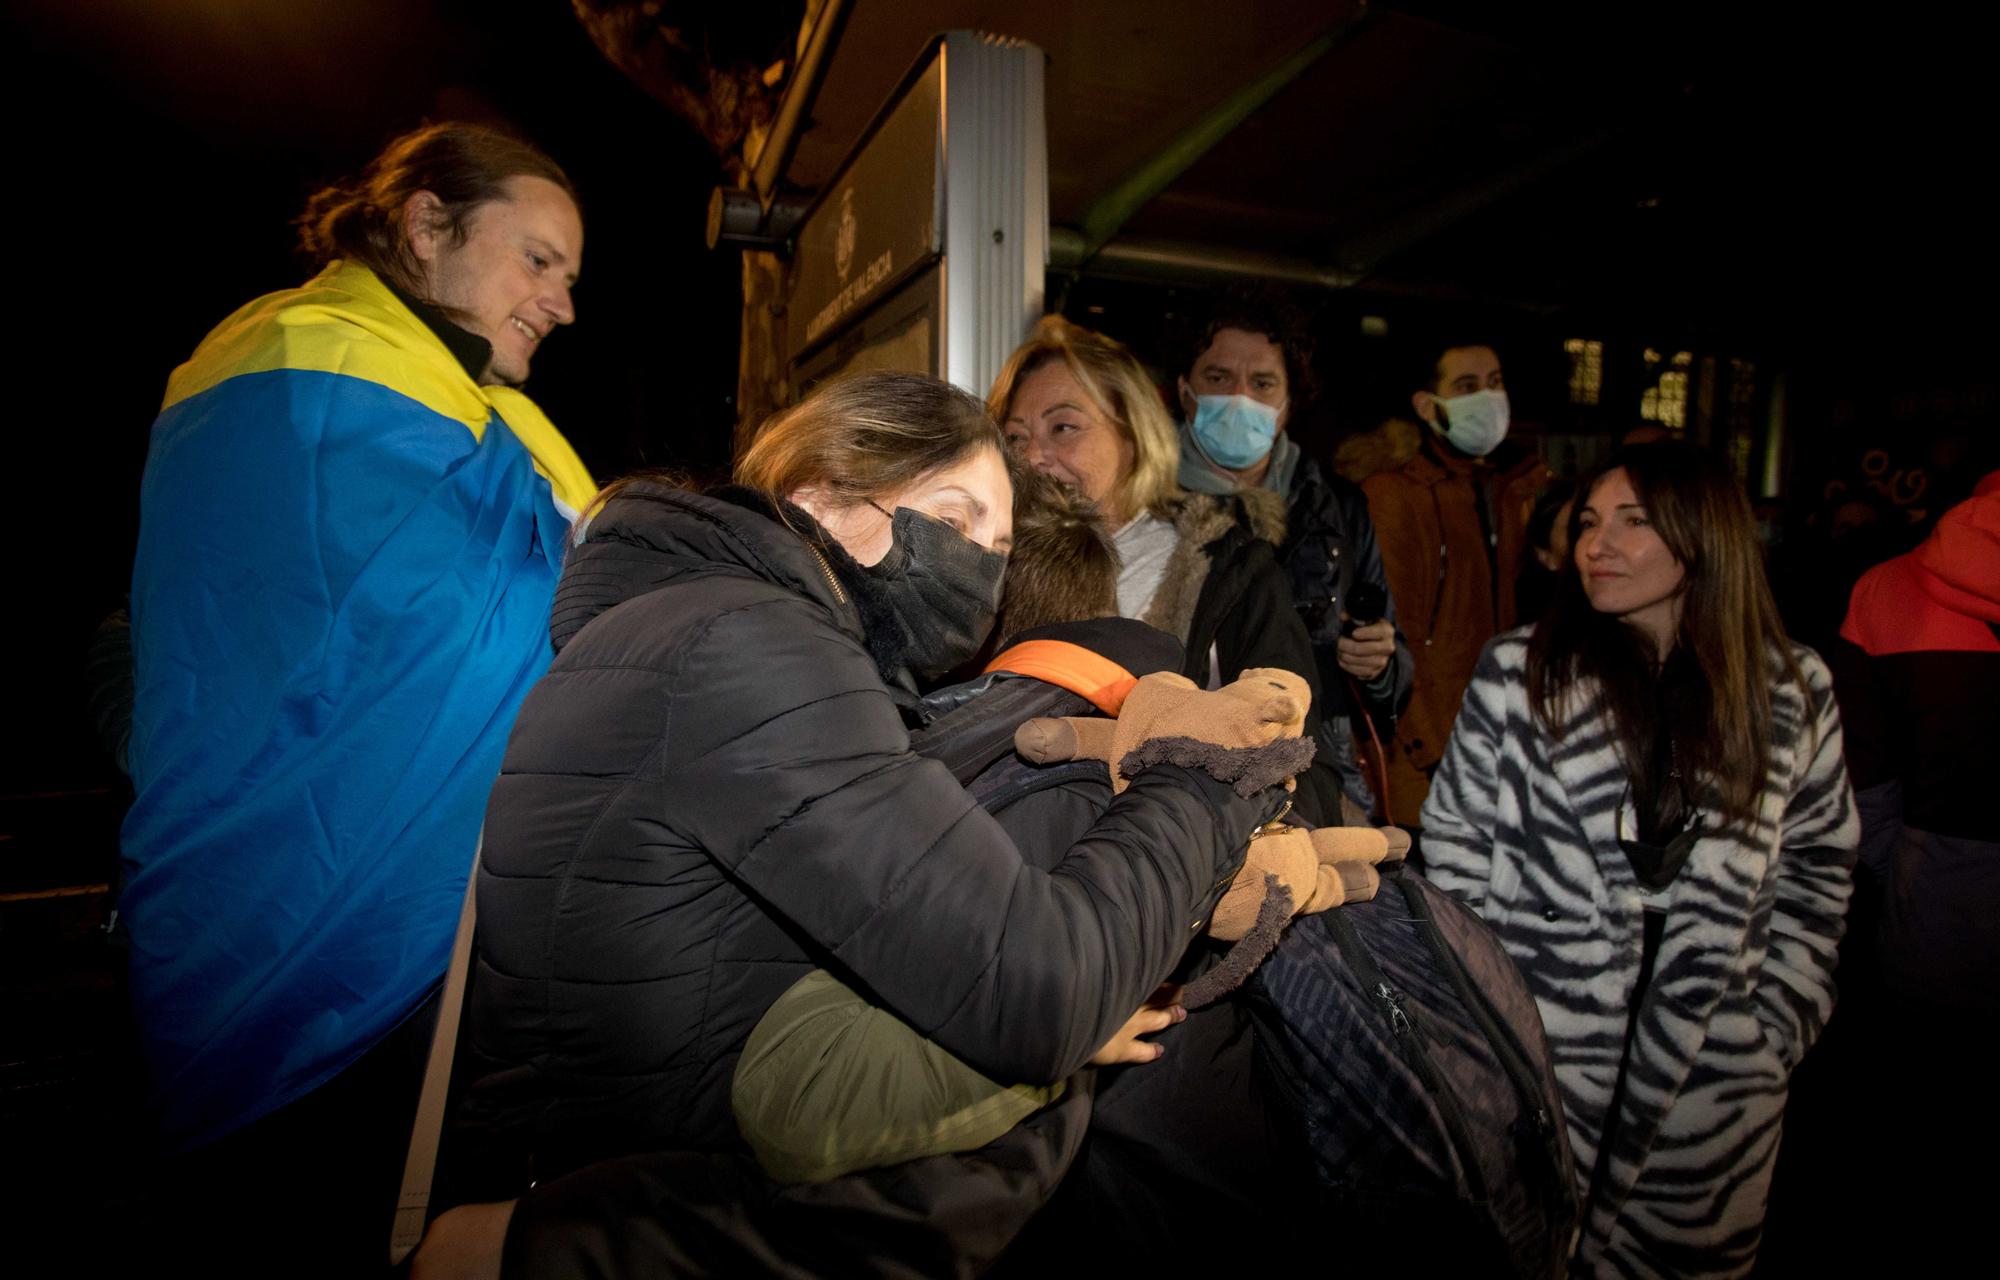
828,1084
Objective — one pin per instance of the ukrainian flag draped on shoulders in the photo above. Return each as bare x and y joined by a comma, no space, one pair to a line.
347,553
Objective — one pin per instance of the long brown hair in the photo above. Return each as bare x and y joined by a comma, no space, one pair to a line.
463,165
866,435
1729,626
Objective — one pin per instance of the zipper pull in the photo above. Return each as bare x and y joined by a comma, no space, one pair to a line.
1397,1018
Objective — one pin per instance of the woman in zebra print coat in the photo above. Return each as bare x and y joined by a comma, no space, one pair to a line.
1644,796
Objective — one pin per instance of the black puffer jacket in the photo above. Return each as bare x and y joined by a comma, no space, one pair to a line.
1179,1137
711,792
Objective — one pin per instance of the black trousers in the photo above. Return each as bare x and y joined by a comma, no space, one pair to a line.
309,1190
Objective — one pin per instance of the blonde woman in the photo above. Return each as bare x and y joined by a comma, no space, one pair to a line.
1078,406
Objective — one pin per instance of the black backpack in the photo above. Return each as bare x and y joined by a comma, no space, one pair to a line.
1397,1033
1403,1035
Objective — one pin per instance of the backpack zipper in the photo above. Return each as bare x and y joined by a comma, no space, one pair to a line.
1405,1029
1513,1056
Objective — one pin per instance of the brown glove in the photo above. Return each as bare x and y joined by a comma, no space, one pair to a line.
1288,870
1318,870
1247,733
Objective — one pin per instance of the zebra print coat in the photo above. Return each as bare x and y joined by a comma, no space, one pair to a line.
1522,826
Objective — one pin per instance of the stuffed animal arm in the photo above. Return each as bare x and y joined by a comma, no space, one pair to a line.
1248,733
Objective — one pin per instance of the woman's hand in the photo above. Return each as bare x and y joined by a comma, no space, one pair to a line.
1157,1014
464,1243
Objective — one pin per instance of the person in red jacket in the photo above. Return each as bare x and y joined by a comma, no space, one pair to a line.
1917,671
1921,687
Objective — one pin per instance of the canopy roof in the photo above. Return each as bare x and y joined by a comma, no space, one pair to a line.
1745,171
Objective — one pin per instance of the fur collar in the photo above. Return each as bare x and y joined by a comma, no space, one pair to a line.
1387,447
1201,520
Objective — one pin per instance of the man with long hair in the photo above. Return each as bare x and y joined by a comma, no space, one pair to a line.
351,527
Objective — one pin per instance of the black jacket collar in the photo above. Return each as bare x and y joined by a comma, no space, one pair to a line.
971,724
652,533
879,627
471,351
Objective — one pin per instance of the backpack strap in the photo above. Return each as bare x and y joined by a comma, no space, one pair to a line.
969,739
420,1166
1084,672
1010,778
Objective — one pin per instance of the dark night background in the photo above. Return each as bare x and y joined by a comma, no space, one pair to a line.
159,152
157,155
1797,186
1777,185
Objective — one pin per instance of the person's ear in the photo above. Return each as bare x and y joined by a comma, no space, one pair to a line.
424,226
1188,405
1425,403
811,499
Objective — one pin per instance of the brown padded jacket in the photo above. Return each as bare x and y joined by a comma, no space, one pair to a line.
1454,589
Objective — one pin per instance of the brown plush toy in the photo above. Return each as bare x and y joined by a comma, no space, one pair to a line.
1319,869
1246,733
1249,734
1288,871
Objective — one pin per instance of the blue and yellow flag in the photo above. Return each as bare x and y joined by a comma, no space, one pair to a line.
347,553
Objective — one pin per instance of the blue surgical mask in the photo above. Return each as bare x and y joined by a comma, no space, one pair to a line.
1233,432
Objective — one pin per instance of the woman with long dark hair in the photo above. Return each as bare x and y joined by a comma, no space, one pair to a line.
1644,795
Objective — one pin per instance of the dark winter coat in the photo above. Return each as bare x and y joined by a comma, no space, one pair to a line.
1180,1142
712,793
1329,549
1228,601
1918,672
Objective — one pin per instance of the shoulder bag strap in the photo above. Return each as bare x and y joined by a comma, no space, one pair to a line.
413,1204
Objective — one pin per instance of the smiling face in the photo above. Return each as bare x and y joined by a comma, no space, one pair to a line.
1059,431
973,496
1626,567
509,280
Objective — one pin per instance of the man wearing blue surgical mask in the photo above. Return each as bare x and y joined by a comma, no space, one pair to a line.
1248,367
1453,522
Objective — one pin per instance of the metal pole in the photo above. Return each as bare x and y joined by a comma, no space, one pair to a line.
783,140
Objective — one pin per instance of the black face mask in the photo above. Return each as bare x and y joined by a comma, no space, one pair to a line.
944,587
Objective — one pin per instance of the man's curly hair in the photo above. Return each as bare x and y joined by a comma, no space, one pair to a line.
1256,308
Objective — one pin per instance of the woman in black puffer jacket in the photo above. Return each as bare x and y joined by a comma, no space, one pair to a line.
712,793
